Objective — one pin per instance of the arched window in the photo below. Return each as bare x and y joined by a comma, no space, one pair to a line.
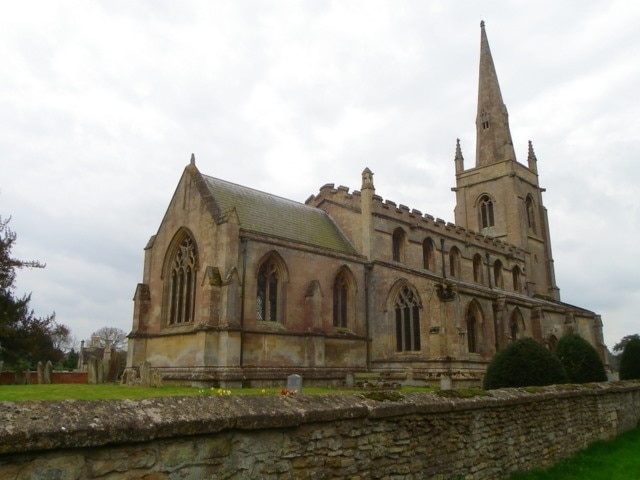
407,310
497,274
478,271
454,262
531,217
515,273
474,320
267,292
398,245
428,254
516,325
342,299
486,212
182,282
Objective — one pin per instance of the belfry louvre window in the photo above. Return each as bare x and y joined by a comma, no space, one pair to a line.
182,287
267,294
407,310
486,212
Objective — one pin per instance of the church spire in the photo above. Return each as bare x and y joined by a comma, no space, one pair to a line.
493,142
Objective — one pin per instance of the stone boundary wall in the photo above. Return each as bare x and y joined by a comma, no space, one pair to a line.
420,436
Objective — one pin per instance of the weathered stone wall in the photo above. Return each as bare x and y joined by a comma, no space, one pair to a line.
333,436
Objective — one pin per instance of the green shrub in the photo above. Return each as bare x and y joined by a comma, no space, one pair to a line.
580,360
630,360
524,363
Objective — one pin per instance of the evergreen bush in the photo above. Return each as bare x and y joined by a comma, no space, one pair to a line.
524,363
580,360
630,360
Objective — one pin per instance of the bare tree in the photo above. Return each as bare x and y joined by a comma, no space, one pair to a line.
111,336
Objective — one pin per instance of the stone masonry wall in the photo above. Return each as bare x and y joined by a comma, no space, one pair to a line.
420,436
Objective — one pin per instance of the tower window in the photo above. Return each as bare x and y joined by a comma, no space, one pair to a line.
484,119
486,212
531,218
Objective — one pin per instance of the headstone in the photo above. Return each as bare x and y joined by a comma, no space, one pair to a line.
40,373
294,383
93,370
350,380
145,374
48,368
445,382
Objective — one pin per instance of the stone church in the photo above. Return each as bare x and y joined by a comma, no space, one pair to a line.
241,287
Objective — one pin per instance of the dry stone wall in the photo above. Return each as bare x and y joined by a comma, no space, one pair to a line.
418,436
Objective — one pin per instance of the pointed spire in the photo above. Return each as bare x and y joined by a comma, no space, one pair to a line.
193,159
493,143
532,160
459,159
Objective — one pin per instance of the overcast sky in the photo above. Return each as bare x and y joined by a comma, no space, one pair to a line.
102,104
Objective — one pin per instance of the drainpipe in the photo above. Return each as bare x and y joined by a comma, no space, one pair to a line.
244,242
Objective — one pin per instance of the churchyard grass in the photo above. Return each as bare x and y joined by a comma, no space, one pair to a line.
617,459
70,391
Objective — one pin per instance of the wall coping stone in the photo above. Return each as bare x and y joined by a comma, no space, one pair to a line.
49,425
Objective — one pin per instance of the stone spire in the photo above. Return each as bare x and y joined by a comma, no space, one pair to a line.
532,159
493,142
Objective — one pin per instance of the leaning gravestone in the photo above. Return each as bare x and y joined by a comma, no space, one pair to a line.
294,383
48,368
40,370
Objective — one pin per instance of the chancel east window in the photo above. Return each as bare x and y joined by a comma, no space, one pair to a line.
407,311
182,282
267,294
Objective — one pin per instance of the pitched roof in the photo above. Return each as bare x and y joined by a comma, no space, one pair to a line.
269,214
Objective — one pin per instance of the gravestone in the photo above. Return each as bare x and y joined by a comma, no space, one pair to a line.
93,370
48,368
145,374
445,382
40,370
350,380
294,382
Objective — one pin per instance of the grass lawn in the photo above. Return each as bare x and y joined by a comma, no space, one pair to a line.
612,460
17,393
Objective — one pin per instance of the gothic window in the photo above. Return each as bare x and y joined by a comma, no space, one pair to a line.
515,272
477,269
454,262
428,254
497,274
267,292
471,332
486,212
398,245
182,282
531,218
407,312
516,325
341,300
484,119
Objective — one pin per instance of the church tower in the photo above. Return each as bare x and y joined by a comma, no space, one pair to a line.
500,197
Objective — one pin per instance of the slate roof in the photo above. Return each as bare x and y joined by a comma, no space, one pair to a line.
269,214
